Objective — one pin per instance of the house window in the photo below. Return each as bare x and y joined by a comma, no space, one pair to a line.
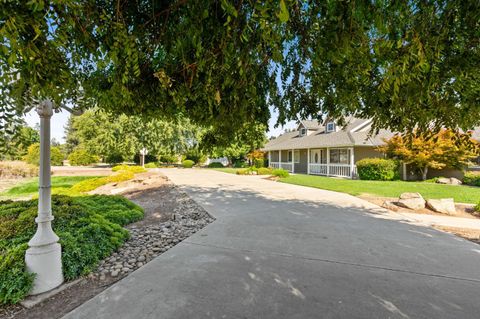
297,156
303,132
330,127
289,157
339,156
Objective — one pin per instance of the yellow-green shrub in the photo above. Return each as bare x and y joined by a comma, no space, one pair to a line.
91,184
133,169
264,171
33,155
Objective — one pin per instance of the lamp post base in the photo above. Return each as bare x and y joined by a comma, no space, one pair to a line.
46,263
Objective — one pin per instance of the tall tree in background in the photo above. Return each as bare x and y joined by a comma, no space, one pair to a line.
17,144
406,64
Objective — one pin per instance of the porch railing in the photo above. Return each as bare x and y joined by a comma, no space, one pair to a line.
339,170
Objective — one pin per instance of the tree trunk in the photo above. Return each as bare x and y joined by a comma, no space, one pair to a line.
424,173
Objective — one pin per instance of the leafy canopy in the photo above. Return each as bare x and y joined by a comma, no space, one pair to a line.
222,63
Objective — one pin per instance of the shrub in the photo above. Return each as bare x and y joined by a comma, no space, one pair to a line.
377,169
188,163
280,172
81,157
91,184
259,162
15,169
472,178
215,165
114,158
477,208
89,229
168,159
33,155
239,164
133,169
150,165
264,171
247,171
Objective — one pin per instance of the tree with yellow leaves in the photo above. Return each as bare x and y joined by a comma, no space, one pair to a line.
445,149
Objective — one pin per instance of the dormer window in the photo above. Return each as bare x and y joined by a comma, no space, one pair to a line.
330,127
303,132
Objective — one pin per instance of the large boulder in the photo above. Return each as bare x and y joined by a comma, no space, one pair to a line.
450,181
411,200
444,205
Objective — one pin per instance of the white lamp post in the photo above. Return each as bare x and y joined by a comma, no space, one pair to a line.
143,152
44,255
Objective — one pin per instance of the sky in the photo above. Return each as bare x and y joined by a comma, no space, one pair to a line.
59,121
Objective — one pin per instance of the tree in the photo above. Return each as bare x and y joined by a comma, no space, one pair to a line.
407,64
18,143
33,155
444,149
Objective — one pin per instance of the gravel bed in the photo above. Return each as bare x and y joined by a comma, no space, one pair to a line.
148,241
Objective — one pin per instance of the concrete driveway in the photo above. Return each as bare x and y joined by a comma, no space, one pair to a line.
283,251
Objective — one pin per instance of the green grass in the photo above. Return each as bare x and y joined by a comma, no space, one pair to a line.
30,187
229,170
461,194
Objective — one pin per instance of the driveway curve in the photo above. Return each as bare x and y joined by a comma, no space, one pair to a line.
284,251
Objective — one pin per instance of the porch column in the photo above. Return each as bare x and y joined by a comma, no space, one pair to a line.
293,161
328,161
280,159
308,161
269,159
352,162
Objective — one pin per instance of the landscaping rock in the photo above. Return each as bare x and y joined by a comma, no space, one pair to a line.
444,205
411,201
449,181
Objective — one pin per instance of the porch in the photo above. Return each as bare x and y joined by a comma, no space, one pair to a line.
338,162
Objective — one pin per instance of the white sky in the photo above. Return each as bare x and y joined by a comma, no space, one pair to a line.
59,121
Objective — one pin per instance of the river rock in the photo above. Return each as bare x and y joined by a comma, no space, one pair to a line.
411,200
450,181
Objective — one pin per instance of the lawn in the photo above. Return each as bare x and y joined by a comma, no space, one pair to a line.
30,187
229,170
461,194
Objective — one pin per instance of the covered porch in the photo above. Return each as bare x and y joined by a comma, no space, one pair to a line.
338,161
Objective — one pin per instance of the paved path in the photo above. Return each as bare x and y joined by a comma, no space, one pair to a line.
285,251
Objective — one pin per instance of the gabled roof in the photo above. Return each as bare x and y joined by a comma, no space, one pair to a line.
354,133
311,124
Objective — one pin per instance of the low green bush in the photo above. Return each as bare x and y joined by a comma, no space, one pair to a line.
264,171
91,184
215,165
472,178
239,164
114,158
477,208
81,157
188,163
280,172
168,159
16,169
150,165
133,169
33,155
378,169
90,229
259,162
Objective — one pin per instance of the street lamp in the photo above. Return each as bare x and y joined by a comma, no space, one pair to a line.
44,255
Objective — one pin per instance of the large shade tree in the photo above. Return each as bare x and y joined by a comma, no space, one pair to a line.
222,63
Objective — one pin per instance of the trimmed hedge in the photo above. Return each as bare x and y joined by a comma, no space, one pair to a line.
81,158
216,165
188,163
90,229
377,169
280,172
472,178
133,169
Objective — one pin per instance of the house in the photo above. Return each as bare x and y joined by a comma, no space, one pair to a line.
332,150
325,149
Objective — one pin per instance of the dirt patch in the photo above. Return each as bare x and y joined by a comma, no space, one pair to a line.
161,201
